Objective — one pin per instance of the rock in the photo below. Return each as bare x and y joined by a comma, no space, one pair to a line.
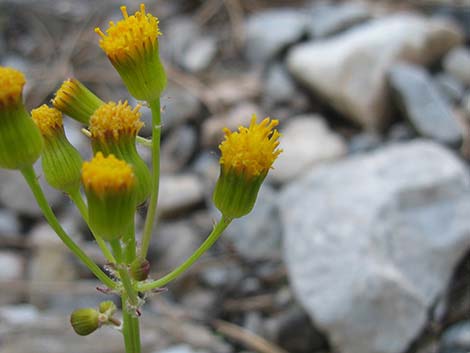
363,142
178,107
200,54
200,302
306,141
349,70
180,32
271,31
328,19
11,270
422,104
400,132
212,128
279,86
456,339
449,87
457,63
227,276
9,225
179,192
181,348
360,238
258,235
454,12
178,148
21,314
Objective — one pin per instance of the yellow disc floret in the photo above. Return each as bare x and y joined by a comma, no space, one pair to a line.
251,151
48,120
11,86
130,36
105,175
114,120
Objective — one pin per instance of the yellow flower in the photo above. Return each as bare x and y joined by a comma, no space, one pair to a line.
75,100
110,189
20,140
113,130
132,47
61,162
247,156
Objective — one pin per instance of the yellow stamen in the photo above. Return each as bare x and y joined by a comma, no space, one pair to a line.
48,120
131,36
113,120
66,94
11,86
251,151
107,174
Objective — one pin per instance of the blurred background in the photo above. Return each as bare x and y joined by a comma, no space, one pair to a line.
359,240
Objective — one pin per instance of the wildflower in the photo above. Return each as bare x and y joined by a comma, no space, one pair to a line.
85,321
75,100
246,158
131,45
61,162
113,128
110,189
20,140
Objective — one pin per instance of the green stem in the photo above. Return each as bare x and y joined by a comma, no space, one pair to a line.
130,329
117,250
76,197
31,179
152,208
129,244
211,239
127,284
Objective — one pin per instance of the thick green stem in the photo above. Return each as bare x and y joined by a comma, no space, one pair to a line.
152,208
31,179
130,329
129,245
211,239
76,197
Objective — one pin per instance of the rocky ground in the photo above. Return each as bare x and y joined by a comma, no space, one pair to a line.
360,239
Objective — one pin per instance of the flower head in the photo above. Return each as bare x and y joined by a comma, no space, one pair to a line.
251,151
11,87
48,120
112,121
131,45
75,100
247,156
110,189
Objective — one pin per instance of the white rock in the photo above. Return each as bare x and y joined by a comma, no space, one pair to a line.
349,70
306,141
371,242
179,192
457,63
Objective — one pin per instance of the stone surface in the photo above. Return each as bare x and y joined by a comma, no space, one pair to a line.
179,192
268,32
328,19
180,348
258,235
349,70
423,105
450,87
9,225
306,141
457,63
279,85
200,54
178,107
11,270
177,148
456,338
371,242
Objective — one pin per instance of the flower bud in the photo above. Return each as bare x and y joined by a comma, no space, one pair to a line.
110,190
246,157
108,308
85,321
75,100
61,162
132,47
113,128
140,269
20,140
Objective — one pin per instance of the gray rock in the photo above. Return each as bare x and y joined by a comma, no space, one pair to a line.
371,242
450,88
328,19
457,63
456,338
178,106
21,314
181,348
349,70
179,192
400,132
279,85
180,32
9,225
200,54
177,148
306,141
268,32
423,105
454,12
258,235
11,270
227,276
364,142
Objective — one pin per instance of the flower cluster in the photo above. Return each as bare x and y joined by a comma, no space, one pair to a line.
117,180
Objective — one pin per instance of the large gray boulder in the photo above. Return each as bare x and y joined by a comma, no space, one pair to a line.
371,242
349,70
